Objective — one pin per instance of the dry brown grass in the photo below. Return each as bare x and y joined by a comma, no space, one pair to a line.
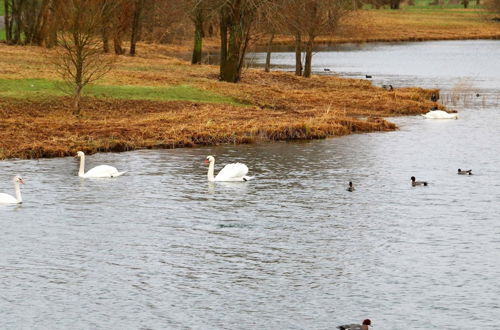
279,106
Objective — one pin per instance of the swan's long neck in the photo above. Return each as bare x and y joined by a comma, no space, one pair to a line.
210,174
18,192
81,172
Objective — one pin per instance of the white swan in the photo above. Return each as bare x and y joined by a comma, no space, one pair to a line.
230,172
8,199
440,114
101,171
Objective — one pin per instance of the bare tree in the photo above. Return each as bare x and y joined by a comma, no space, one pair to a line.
80,59
270,22
311,18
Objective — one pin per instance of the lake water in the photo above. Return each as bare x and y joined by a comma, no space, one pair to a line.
160,248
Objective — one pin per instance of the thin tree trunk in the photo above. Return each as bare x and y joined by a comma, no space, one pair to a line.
309,51
43,24
395,4
79,61
242,52
198,37
298,54
136,26
268,55
105,39
7,19
16,22
223,40
76,101
117,43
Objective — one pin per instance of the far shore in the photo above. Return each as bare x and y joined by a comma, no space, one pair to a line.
367,26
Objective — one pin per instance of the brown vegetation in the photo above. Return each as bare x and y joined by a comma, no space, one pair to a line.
279,106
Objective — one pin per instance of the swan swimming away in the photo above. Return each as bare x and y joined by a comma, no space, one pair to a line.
101,171
231,172
440,114
8,199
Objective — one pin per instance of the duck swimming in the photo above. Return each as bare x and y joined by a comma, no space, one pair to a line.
363,326
351,187
415,183
464,172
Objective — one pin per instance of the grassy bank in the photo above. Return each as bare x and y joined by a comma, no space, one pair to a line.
155,101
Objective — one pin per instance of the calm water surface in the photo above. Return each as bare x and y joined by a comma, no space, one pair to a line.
160,248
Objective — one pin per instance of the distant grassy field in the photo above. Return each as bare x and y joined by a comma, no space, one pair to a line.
414,23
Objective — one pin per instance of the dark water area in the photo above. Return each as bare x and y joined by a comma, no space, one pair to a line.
161,248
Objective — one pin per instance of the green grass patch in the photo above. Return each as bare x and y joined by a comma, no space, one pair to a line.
2,34
41,88
2,7
29,88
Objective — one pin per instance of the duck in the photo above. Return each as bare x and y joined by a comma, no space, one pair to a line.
368,76
350,187
417,183
8,199
440,114
231,172
101,171
388,87
464,172
364,326
327,70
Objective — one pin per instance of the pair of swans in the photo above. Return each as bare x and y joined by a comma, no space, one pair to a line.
101,171
230,172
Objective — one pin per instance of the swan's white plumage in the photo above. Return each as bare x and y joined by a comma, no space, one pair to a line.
103,171
7,199
440,114
232,172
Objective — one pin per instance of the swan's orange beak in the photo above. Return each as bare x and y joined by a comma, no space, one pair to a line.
206,162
